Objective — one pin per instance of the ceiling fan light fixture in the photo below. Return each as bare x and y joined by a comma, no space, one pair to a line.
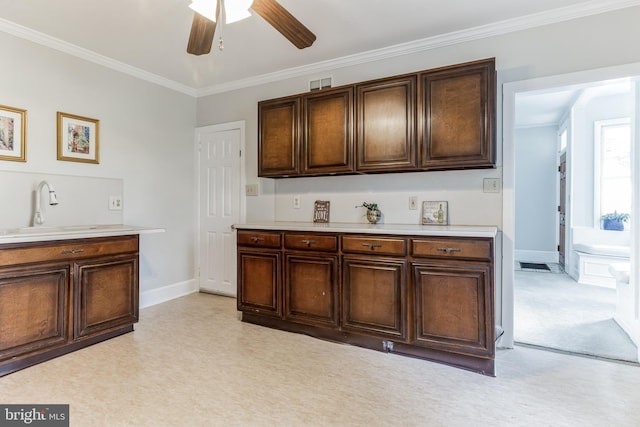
206,8
236,10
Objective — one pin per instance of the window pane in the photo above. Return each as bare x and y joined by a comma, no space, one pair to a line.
615,168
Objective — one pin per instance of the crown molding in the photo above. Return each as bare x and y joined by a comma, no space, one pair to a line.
567,13
91,56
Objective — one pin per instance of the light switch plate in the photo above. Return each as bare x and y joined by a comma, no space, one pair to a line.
251,189
491,185
413,203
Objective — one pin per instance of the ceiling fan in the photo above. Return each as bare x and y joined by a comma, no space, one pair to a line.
207,13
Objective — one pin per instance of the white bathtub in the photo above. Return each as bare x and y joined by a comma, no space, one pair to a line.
594,261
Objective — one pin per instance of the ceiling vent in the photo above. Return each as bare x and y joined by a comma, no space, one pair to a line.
320,84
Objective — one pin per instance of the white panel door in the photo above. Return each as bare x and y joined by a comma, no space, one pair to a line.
220,206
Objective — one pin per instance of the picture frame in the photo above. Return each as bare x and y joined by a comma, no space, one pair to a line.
321,211
435,213
13,134
78,138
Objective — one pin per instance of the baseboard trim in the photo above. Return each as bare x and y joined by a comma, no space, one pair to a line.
536,256
166,293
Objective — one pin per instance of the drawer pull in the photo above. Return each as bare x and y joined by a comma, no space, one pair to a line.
309,242
71,251
255,239
449,250
372,246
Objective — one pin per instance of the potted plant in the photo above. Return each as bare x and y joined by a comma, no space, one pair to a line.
614,221
373,213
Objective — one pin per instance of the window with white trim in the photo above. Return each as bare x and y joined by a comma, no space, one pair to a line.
612,153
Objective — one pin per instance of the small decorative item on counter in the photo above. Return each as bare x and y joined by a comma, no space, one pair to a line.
373,213
434,213
614,221
321,211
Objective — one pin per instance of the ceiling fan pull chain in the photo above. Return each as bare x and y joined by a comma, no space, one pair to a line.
223,12
223,17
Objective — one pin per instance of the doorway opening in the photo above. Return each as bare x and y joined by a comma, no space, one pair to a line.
565,298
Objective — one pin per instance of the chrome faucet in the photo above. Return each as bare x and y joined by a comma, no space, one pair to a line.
38,218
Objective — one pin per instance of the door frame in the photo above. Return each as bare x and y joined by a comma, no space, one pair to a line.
222,127
509,91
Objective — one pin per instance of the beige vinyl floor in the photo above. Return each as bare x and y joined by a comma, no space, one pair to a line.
191,362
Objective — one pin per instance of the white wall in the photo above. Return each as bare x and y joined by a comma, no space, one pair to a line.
536,183
146,144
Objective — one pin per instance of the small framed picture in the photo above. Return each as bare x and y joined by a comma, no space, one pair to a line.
13,134
435,213
321,211
78,138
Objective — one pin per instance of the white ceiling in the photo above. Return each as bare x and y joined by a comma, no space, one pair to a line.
148,38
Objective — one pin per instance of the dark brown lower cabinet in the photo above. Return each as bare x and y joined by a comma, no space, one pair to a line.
450,308
60,296
374,297
420,296
259,288
311,289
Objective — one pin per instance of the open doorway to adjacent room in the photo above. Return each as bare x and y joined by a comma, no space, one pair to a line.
573,154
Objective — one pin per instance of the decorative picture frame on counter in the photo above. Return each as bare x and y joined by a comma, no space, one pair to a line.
435,213
78,138
321,211
13,134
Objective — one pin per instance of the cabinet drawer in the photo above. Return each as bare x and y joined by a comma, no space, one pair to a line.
453,248
259,239
376,245
318,242
24,253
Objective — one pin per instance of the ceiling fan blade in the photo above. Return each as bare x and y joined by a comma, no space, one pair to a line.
276,15
201,36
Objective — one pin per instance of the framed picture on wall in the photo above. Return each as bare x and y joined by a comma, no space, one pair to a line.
78,138
321,211
13,134
435,213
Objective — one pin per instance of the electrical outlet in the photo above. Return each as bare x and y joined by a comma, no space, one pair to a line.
251,189
115,203
491,185
413,203
296,202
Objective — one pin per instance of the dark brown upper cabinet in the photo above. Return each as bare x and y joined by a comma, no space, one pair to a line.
310,134
386,122
278,131
457,116
435,119
327,142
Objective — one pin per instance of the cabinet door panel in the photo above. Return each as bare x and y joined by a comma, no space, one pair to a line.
311,289
33,309
458,116
259,282
106,295
374,296
385,117
278,122
453,308
328,135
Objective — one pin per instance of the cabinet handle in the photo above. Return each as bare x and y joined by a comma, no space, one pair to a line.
372,246
309,242
71,251
257,239
449,250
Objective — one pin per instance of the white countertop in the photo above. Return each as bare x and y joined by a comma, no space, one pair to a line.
403,229
44,233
